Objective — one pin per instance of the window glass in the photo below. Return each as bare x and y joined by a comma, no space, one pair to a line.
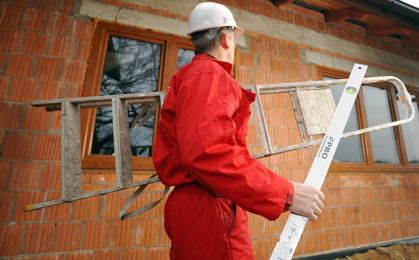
350,148
131,66
184,56
383,141
411,132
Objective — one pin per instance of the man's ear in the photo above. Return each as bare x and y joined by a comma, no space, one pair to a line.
224,41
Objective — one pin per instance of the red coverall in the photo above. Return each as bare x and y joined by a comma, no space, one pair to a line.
201,149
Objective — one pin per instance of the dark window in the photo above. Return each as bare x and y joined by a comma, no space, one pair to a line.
126,60
131,66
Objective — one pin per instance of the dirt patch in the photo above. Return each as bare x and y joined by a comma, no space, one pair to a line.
405,252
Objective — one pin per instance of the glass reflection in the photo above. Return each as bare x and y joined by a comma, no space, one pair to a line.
411,132
131,66
350,148
383,141
184,56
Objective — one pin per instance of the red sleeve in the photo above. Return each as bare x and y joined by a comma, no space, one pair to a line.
209,151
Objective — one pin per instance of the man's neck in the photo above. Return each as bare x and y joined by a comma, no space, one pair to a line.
219,55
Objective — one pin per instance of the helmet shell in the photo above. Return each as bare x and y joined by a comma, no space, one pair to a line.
211,15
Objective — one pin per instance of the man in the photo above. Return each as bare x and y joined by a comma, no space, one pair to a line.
201,149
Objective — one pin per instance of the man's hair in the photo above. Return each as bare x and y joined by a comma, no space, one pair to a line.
206,40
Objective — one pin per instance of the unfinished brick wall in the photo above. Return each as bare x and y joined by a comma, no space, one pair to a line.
43,55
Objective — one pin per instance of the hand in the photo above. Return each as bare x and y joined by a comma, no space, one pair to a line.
308,201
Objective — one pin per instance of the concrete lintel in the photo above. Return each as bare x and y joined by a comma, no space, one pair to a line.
126,16
345,65
250,22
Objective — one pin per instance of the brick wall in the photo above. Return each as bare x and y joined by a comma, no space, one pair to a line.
43,55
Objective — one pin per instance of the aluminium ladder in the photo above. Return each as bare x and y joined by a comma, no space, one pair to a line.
70,108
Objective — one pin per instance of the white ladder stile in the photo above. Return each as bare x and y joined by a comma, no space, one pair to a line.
294,227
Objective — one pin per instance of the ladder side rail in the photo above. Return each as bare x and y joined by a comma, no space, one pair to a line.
70,150
88,194
122,142
263,129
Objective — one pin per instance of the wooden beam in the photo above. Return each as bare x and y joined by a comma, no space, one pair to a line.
280,2
344,14
386,30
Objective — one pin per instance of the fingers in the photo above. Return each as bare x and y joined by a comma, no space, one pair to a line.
308,201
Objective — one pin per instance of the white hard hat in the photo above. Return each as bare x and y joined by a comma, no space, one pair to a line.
209,15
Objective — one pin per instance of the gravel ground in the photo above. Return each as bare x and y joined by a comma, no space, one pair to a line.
396,252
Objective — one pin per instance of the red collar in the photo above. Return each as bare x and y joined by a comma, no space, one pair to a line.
227,66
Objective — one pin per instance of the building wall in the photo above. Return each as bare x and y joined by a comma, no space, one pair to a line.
43,55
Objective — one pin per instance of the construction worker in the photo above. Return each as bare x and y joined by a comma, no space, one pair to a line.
200,148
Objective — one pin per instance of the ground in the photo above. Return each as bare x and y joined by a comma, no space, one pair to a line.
396,252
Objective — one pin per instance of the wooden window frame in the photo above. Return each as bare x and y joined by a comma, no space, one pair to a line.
368,165
168,60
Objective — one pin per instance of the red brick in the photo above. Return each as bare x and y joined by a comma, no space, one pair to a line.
38,238
110,254
26,198
12,15
25,176
51,177
10,115
96,235
7,201
157,253
82,29
311,23
48,68
133,254
74,90
4,88
47,147
56,121
299,19
5,172
23,90
24,3
59,24
10,238
36,119
34,20
67,6
81,256
82,48
61,47
321,26
20,66
51,90
86,209
50,6
122,234
74,72
35,43
148,231
9,39
61,212
17,145
68,236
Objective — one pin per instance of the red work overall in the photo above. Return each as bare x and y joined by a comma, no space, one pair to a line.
201,149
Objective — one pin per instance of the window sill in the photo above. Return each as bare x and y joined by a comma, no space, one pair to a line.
379,168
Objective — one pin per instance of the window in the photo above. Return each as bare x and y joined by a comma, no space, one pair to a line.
126,60
390,149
